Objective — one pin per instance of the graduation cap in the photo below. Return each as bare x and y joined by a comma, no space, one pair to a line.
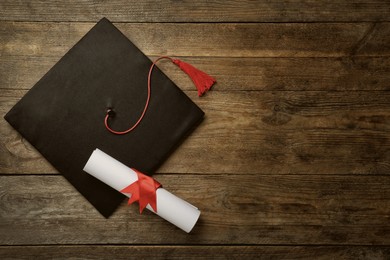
105,93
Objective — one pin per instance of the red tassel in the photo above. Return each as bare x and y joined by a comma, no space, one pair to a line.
202,81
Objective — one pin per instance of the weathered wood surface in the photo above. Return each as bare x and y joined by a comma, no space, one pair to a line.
280,132
193,252
208,39
292,160
236,209
237,74
198,11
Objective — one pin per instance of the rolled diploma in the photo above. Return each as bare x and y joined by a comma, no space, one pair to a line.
117,175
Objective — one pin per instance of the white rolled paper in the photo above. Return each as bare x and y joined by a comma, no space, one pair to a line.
117,175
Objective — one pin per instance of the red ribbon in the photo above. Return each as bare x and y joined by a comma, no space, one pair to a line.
143,191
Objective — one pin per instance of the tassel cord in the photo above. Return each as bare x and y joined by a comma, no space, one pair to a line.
146,103
202,81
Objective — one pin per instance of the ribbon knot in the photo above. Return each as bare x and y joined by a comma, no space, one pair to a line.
143,190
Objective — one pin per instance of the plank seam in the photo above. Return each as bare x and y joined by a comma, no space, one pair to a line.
198,245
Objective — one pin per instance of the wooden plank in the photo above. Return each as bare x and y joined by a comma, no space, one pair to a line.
193,252
270,132
204,39
304,131
330,74
199,11
376,38
245,209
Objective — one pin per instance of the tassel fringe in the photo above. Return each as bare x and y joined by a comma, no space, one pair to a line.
202,80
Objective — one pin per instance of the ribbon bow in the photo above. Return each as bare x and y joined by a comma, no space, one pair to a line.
143,191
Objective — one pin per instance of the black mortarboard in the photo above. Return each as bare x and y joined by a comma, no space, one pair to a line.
63,114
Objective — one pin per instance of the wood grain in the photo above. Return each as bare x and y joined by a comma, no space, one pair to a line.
376,38
271,74
199,11
194,252
206,39
282,132
245,209
292,160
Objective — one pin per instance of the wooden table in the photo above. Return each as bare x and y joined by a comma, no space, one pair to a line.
292,160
